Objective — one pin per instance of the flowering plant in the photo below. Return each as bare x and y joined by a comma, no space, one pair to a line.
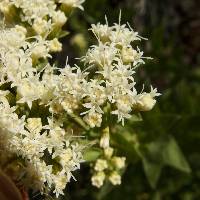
51,116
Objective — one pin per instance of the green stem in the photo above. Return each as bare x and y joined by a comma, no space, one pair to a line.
78,120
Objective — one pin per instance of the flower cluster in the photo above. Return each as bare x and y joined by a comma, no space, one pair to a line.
42,105
39,17
29,139
45,149
115,60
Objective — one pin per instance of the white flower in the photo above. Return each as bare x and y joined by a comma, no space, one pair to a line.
93,119
130,55
31,146
123,36
102,31
60,181
5,6
11,39
100,165
40,51
59,18
34,125
70,103
101,55
34,9
29,90
41,26
66,156
21,30
146,101
110,89
95,95
98,179
124,107
72,81
72,3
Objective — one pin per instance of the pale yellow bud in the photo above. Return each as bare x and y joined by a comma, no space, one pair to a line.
101,165
55,45
129,54
40,26
59,18
93,119
98,179
66,156
115,178
39,51
108,152
105,138
146,102
119,162
79,41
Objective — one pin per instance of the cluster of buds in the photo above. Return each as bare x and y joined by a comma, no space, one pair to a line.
109,166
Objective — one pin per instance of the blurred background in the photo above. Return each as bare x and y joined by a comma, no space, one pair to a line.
173,126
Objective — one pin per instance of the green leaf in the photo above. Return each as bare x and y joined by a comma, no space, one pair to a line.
136,118
151,156
156,196
163,151
91,155
152,171
173,156
63,34
125,144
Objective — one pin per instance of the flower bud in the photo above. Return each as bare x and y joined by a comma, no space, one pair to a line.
98,179
128,54
101,165
59,18
55,45
93,119
105,138
39,51
115,178
79,41
108,152
68,5
146,102
66,156
40,26
119,162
